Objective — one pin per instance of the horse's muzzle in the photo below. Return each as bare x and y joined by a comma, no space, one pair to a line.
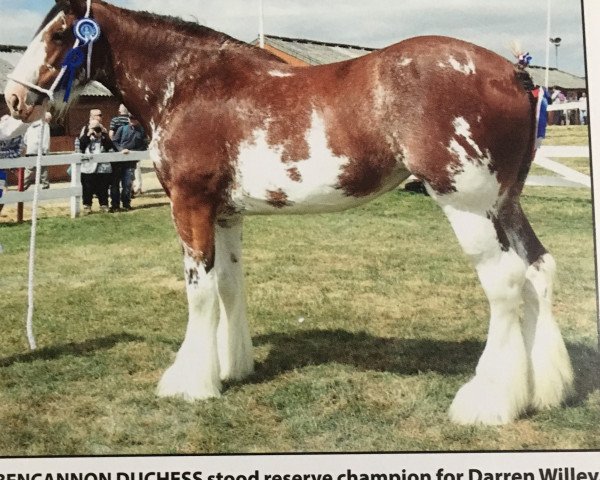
23,103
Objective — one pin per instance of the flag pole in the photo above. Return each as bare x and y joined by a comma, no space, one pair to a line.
261,25
549,10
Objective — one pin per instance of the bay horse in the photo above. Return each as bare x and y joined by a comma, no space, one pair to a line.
235,131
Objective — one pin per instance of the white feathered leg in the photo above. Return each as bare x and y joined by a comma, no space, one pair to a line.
233,336
551,371
195,373
499,392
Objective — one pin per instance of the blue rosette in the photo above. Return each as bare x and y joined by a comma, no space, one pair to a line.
87,30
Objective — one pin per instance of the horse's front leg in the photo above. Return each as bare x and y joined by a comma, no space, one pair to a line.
233,337
195,373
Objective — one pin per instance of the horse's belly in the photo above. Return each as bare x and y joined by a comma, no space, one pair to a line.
265,184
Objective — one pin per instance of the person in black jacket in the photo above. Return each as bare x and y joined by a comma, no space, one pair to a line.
95,176
128,137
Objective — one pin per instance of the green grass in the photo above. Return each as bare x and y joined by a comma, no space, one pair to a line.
567,135
393,323
563,135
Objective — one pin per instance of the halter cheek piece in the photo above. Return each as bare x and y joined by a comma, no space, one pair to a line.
87,31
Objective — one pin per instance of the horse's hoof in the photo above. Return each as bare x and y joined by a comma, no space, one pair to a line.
174,384
481,401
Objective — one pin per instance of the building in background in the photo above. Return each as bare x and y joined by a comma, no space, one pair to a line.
302,52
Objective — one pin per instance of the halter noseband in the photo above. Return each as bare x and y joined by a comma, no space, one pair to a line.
87,31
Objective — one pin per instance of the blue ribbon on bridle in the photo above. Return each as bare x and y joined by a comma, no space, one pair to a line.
73,60
87,31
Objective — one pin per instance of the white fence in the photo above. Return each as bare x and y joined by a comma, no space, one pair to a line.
74,160
567,176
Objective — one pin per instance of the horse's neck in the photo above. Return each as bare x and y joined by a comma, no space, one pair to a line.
146,64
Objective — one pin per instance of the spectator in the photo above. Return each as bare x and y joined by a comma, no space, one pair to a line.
120,120
31,142
95,176
95,116
128,137
583,109
11,134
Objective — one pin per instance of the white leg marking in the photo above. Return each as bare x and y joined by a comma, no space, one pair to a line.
551,369
233,336
195,373
499,392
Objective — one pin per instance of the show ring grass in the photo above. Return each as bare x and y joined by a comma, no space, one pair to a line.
365,324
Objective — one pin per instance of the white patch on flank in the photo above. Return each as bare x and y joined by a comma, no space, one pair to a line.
405,61
475,185
279,73
380,95
463,129
260,170
194,374
467,69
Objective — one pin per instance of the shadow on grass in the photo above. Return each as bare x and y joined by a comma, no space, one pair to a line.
89,347
150,205
401,356
586,364
366,352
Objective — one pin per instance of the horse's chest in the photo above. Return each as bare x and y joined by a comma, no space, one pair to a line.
269,182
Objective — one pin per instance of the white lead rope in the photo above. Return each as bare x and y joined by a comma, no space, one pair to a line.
34,207
30,283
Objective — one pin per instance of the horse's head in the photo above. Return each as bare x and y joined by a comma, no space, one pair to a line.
41,64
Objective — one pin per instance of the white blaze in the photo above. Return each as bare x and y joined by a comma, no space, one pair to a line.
28,68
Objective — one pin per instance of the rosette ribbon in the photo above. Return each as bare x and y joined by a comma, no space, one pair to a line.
73,60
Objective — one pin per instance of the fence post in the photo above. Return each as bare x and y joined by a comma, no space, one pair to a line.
75,182
20,186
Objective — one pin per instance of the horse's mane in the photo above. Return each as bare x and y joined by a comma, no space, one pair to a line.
179,25
199,31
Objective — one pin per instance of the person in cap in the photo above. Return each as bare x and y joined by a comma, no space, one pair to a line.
128,137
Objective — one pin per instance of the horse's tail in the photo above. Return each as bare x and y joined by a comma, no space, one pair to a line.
526,81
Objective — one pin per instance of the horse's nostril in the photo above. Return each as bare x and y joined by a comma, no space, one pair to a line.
14,103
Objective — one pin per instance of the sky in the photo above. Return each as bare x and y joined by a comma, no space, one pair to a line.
493,24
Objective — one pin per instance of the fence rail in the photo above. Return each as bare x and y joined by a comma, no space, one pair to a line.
568,176
74,190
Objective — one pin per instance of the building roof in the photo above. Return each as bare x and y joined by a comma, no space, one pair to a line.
556,78
10,56
314,52
318,53
311,52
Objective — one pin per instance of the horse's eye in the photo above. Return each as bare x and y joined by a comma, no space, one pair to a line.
59,36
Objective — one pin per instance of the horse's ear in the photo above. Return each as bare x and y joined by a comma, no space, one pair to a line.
78,7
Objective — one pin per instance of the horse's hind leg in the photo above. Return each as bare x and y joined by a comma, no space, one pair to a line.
233,337
551,372
499,392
